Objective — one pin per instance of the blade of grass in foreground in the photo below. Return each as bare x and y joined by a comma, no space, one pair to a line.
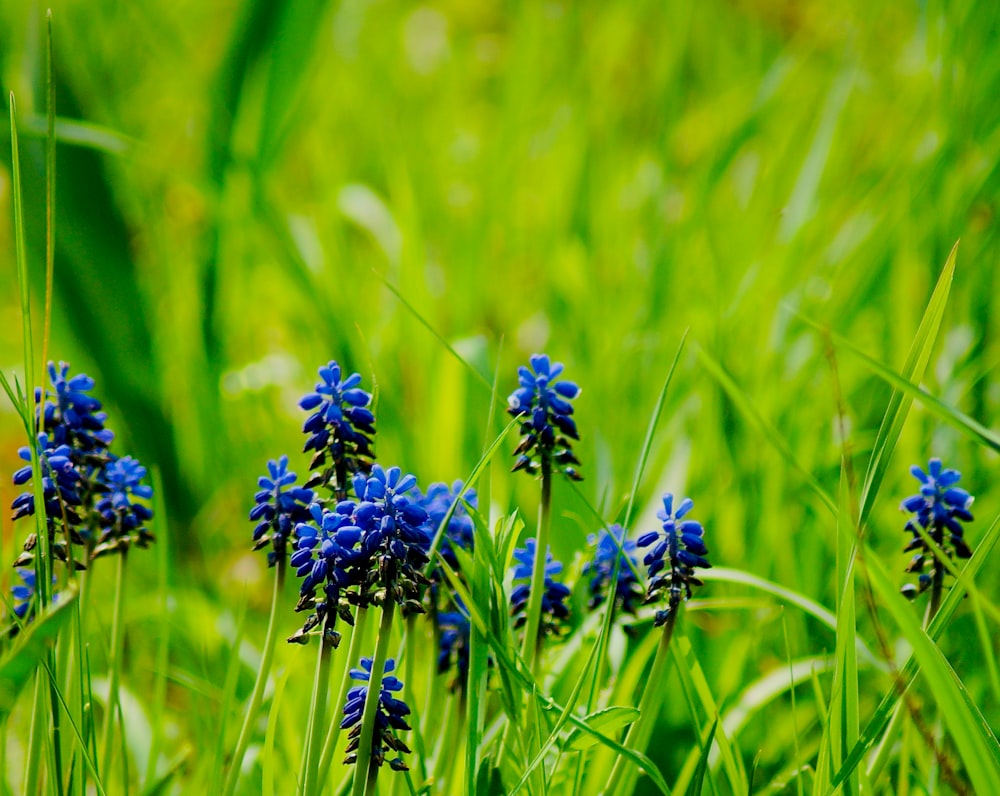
973,737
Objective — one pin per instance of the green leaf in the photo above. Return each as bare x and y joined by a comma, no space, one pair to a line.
607,720
695,786
31,647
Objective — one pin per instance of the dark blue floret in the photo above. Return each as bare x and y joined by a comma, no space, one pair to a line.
61,487
122,519
390,718
555,612
601,569
341,428
678,550
940,508
453,644
279,507
549,428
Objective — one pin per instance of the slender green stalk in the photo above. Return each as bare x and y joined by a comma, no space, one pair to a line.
114,665
333,732
263,673
409,661
4,785
638,734
361,772
32,767
529,648
444,762
317,713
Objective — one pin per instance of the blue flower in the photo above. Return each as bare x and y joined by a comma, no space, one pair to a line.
122,519
71,416
326,558
395,541
940,508
555,612
549,428
601,569
678,550
280,507
61,487
390,718
340,426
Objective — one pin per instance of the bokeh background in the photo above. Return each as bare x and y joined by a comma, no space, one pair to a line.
249,189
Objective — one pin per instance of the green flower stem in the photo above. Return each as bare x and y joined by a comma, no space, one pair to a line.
652,695
317,712
529,648
333,732
263,673
364,779
114,665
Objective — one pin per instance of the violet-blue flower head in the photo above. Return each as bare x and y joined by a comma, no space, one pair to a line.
555,612
940,507
69,414
549,428
609,547
453,644
341,428
279,507
678,550
389,720
121,517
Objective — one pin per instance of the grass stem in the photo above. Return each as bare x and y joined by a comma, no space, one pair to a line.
114,665
363,779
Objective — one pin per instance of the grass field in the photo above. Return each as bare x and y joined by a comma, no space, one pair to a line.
767,192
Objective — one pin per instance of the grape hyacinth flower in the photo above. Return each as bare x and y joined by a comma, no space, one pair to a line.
395,541
122,519
61,492
280,506
340,427
326,559
555,612
548,431
601,568
679,550
390,718
71,416
940,508
460,531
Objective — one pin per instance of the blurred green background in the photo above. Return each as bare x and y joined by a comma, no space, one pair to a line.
238,182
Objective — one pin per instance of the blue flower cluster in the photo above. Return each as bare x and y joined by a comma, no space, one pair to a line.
678,550
121,518
555,612
279,507
460,531
390,719
80,476
601,568
364,551
548,431
340,428
71,416
940,508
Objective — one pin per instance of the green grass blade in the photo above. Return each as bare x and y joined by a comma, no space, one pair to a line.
974,740
698,780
